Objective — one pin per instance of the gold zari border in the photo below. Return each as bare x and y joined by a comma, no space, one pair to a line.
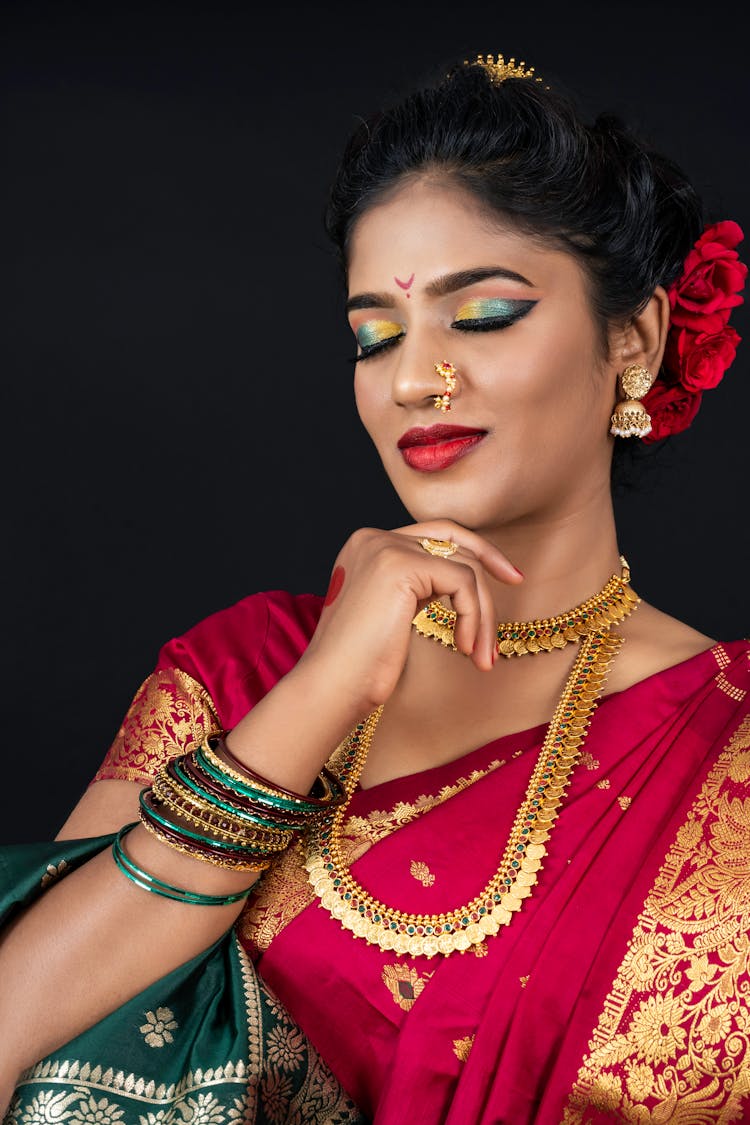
673,1039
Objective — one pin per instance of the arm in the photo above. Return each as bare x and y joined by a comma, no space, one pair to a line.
96,938
99,940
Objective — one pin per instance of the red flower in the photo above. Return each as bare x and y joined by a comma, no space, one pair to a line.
699,359
672,409
711,279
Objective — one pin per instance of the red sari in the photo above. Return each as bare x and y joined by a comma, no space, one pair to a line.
619,992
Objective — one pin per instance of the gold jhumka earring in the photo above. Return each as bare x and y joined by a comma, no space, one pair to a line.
630,419
448,372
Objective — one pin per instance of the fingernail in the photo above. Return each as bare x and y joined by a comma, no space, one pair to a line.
518,571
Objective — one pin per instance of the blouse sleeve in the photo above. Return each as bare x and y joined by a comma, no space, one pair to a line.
170,711
207,679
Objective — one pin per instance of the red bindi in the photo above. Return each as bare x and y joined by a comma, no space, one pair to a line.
334,586
405,284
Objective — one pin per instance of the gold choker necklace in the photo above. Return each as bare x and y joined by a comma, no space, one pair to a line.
469,925
516,638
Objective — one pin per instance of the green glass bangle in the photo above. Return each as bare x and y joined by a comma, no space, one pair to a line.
220,845
148,882
241,814
257,795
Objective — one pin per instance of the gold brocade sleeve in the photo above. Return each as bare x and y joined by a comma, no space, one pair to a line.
170,711
673,1039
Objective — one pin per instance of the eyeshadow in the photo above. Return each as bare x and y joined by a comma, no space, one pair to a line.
376,331
479,307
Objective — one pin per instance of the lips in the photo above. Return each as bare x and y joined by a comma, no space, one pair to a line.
432,448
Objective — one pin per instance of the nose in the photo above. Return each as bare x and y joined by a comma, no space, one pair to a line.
417,382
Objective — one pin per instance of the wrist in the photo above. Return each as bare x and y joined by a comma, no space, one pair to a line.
292,732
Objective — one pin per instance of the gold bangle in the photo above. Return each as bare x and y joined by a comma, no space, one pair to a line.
258,865
269,841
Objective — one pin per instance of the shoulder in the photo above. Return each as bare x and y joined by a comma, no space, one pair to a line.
655,641
239,652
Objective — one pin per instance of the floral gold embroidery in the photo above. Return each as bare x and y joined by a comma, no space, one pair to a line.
421,872
605,783
524,980
158,1028
480,950
624,802
462,1047
378,824
673,1039
169,713
405,984
589,761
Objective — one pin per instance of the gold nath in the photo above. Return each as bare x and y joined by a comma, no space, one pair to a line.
427,935
517,638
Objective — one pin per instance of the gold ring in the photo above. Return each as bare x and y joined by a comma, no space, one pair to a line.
443,548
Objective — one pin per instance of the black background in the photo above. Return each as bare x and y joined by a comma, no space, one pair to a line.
178,426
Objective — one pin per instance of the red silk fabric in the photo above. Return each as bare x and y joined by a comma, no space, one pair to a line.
500,1037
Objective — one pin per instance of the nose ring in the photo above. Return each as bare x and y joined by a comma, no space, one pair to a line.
448,372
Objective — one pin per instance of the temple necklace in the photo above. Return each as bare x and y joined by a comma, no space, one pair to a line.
516,638
470,925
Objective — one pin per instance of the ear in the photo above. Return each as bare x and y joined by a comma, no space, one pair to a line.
644,337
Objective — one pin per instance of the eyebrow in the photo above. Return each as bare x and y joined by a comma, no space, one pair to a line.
440,287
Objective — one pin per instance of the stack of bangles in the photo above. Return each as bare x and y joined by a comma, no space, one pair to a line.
223,814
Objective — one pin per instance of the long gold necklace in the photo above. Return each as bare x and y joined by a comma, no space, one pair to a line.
517,638
469,925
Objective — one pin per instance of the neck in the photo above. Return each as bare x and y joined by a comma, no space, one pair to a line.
565,559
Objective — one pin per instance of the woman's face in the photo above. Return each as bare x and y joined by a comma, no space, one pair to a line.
432,279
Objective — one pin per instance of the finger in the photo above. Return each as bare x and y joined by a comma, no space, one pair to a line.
484,645
458,581
491,557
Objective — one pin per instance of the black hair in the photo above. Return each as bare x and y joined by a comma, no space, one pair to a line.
628,214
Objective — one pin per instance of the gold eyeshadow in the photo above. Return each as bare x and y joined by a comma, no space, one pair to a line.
480,308
377,332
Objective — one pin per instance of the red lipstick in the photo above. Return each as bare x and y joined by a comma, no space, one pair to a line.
431,448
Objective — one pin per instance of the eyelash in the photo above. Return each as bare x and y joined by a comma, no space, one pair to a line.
483,324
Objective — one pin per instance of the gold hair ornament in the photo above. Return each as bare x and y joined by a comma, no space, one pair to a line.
499,70
630,418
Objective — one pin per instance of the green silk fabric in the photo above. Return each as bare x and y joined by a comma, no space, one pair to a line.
208,1044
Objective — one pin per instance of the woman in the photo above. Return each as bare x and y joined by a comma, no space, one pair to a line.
493,905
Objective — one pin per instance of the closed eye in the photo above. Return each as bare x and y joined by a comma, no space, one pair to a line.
490,314
376,336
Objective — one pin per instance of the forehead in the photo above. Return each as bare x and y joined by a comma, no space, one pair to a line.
429,229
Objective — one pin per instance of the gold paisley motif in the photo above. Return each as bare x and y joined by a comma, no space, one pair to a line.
169,713
462,1047
421,872
673,1039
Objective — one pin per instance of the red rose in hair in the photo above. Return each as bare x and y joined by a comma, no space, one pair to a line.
672,409
711,279
699,359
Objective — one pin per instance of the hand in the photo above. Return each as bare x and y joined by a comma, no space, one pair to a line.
380,580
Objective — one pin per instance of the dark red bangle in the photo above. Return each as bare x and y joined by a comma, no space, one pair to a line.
337,795
287,819
172,836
